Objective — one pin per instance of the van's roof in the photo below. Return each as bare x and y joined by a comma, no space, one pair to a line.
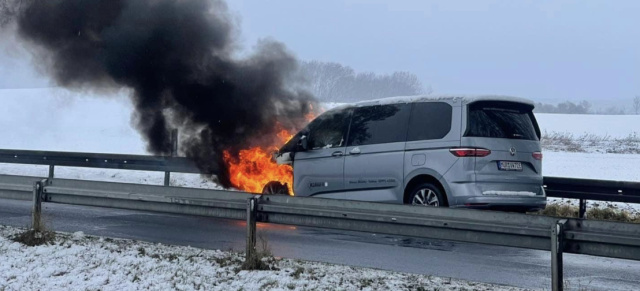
463,99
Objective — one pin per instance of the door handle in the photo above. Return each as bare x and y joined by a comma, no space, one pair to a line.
355,151
337,154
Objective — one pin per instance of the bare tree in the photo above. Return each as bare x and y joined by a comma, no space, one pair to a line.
335,82
636,104
567,107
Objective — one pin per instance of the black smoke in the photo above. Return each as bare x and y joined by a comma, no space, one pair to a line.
180,60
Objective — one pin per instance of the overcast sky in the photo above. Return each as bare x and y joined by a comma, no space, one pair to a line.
545,50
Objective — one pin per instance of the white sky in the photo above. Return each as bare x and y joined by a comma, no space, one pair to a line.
544,50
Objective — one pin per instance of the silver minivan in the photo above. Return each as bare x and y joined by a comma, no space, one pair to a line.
474,152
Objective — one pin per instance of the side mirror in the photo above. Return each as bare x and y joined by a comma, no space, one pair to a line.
303,143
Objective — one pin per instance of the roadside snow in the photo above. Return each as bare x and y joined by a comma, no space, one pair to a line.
620,167
613,126
111,175
79,262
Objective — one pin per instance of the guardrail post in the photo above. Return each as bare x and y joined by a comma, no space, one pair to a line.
583,208
252,206
557,247
51,169
36,215
174,153
167,178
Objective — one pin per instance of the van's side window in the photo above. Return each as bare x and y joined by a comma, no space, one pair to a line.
429,120
379,124
329,130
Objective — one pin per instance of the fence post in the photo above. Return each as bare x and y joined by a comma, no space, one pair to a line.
583,208
252,204
557,247
36,215
174,153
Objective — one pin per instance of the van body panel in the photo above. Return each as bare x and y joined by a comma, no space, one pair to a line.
376,173
318,171
376,167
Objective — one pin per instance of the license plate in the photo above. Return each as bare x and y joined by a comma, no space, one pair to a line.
509,166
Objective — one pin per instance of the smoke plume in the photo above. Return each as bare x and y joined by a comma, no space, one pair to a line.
180,60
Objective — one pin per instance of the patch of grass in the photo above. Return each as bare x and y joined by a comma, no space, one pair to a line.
612,215
38,234
61,273
261,258
35,238
556,210
296,274
571,211
172,257
269,284
366,282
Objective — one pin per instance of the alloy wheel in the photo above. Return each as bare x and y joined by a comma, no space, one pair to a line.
426,197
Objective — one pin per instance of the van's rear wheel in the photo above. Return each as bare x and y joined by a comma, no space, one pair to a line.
275,188
427,194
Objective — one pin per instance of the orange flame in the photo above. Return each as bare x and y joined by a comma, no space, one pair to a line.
254,167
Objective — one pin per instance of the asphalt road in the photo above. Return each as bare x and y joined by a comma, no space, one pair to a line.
474,262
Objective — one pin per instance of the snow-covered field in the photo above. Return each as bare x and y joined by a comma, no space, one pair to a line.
613,126
80,262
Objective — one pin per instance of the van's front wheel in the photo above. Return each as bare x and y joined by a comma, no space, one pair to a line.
275,188
427,194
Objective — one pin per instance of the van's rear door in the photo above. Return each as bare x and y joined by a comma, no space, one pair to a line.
510,131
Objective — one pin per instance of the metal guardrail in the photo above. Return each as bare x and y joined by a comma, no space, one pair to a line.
52,159
17,187
600,238
586,189
583,189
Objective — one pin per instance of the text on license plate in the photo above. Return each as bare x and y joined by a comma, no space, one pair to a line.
509,166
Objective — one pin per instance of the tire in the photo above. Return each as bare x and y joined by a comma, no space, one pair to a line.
275,188
427,194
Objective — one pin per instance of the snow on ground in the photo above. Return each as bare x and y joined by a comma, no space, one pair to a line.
79,262
619,167
111,175
613,126
55,119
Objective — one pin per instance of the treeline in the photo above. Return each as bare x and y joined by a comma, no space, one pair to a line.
333,82
582,107
568,107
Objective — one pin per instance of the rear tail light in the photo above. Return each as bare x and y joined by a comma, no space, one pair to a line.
537,156
470,152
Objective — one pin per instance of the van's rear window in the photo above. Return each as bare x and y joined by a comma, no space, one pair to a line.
502,120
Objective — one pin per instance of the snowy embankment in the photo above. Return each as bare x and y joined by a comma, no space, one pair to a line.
587,133
79,262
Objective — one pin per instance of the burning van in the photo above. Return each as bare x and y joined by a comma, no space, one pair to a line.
480,152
